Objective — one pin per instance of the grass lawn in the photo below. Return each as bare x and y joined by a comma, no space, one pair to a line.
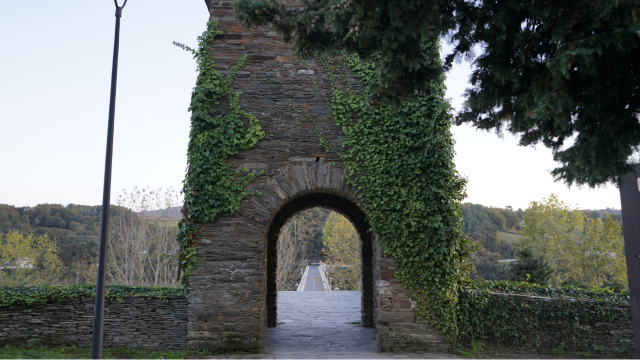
19,352
485,350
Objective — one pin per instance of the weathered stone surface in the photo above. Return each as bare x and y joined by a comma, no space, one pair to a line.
270,78
135,322
235,288
396,323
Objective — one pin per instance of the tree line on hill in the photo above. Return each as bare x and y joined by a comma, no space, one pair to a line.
56,244
549,242
74,229
495,231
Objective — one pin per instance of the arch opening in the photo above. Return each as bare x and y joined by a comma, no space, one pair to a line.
358,219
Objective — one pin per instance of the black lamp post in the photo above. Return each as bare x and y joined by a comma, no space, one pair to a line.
98,319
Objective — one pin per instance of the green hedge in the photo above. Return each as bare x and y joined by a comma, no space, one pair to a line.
566,292
486,313
28,296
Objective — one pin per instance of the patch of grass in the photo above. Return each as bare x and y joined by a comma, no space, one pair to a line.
126,353
19,352
508,237
477,348
60,352
357,322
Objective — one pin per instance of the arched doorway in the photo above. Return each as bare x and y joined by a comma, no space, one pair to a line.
359,220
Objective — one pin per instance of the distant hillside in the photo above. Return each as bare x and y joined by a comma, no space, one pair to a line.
610,211
615,214
172,212
75,228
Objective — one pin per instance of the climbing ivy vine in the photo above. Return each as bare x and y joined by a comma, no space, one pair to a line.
26,296
402,160
209,187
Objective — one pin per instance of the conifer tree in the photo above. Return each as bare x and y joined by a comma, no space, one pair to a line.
554,70
531,268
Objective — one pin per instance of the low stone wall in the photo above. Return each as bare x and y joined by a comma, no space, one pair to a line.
138,322
599,332
135,322
606,331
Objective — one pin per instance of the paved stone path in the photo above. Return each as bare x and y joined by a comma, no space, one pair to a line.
319,325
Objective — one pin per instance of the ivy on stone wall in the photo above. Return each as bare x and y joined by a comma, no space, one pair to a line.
402,160
32,295
542,317
403,163
210,188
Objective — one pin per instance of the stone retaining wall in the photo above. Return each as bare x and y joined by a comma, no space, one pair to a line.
138,322
604,334
135,322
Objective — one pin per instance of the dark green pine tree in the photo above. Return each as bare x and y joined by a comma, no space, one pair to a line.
530,268
563,73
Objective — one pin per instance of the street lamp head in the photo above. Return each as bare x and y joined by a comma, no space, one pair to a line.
119,8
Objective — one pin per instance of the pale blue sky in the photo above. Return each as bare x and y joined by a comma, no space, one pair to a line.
54,95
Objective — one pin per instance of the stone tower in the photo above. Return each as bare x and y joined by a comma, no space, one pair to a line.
233,295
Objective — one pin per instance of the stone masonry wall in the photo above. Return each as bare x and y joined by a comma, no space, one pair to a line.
228,295
135,322
398,328
154,324
231,298
614,336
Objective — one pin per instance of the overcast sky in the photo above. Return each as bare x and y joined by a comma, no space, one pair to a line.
54,98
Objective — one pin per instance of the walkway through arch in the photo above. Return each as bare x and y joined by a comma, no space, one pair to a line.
359,220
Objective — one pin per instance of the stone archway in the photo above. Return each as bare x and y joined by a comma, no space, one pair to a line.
232,295
357,217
